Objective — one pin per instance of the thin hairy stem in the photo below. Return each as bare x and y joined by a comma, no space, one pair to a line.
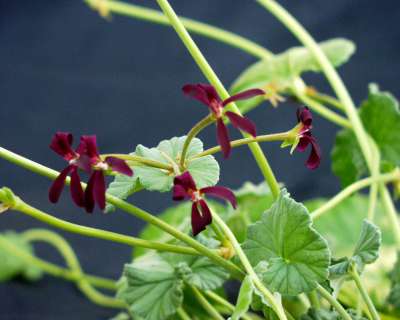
275,305
357,279
334,303
207,306
129,208
245,141
141,160
214,80
356,186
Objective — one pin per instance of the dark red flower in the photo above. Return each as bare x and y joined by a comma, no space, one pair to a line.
185,189
304,117
87,158
207,94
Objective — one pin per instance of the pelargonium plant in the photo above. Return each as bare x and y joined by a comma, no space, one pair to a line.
326,258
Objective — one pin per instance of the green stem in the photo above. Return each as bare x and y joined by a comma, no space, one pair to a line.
208,307
200,28
325,99
218,299
206,30
391,211
384,178
374,189
203,123
322,110
129,208
72,261
214,80
357,279
53,269
183,314
141,160
275,305
98,233
245,141
334,303
313,297
338,86
332,76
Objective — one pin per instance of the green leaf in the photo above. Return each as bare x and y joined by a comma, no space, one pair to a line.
122,316
252,201
152,288
12,266
199,271
280,70
298,257
177,216
122,187
244,299
380,115
342,224
205,170
367,248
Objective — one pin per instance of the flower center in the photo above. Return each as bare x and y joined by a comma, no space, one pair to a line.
216,108
195,195
101,165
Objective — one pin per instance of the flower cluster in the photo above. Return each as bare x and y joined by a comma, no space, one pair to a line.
185,189
86,158
207,94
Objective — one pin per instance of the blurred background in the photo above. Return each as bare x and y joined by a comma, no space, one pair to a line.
62,67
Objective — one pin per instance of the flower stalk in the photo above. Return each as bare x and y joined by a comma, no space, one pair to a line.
214,80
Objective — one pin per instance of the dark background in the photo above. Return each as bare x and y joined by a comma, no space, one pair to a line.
62,67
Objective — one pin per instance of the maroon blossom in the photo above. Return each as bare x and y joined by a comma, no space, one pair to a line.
87,158
207,94
304,117
185,189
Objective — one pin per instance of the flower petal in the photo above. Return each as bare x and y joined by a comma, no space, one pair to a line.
100,189
202,92
223,138
76,188
186,181
304,142
89,193
88,145
244,95
179,193
304,116
222,193
198,223
58,185
119,165
205,212
242,123
61,143
314,159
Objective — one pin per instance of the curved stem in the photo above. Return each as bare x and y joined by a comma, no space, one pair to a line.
275,305
98,233
356,186
323,111
147,14
147,162
325,99
203,123
218,299
334,303
182,314
208,307
357,279
53,269
240,142
214,80
391,211
332,76
129,208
